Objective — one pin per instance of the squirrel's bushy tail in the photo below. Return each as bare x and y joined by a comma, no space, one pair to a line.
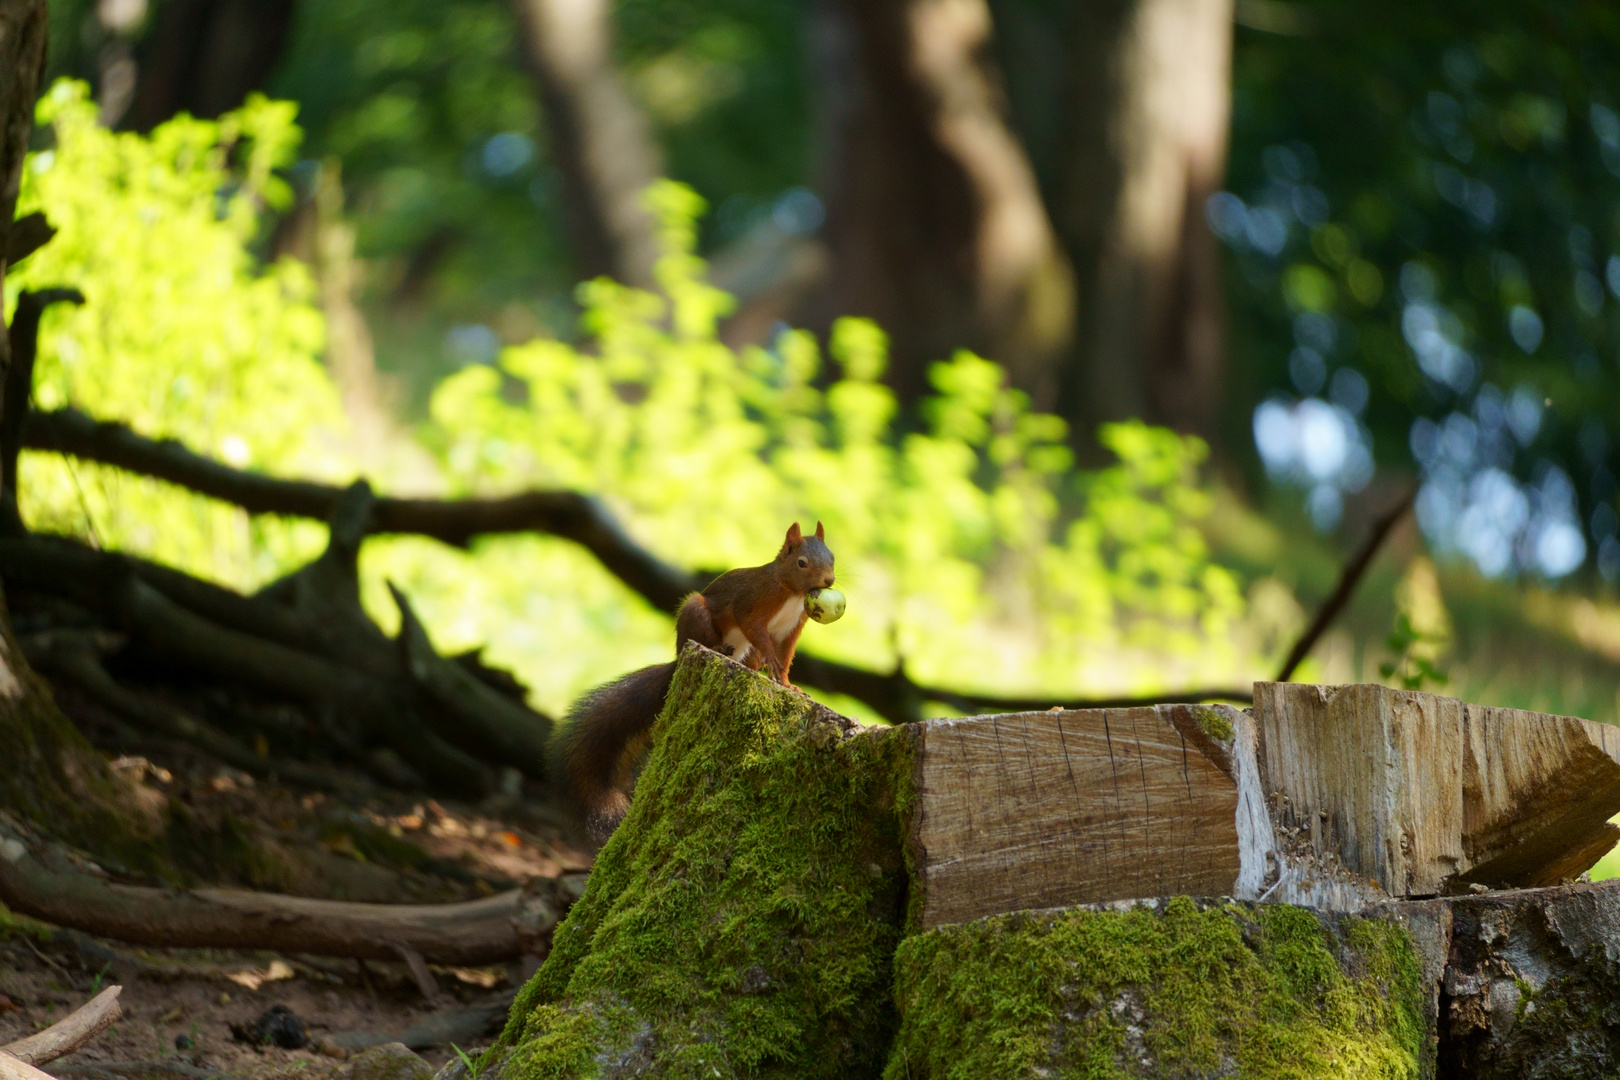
605,732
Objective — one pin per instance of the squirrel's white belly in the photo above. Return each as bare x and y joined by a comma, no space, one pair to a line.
779,627
785,619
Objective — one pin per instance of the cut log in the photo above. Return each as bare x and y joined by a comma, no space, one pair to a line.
1034,810
1426,795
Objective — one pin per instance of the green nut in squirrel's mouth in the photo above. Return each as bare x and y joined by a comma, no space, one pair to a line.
824,605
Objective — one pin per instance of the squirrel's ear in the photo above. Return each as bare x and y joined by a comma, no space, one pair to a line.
821,534
793,536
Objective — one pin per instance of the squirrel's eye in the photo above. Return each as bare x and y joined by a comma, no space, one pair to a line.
804,562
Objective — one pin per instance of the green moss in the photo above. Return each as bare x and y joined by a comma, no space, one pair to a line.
1213,722
743,919
1263,993
13,925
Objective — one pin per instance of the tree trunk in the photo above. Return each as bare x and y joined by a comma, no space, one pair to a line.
48,772
935,225
202,57
598,137
1145,145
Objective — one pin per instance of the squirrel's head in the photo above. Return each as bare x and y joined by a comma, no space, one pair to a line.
806,560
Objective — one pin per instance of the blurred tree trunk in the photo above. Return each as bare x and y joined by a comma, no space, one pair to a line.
201,56
935,223
350,353
48,773
1143,147
598,137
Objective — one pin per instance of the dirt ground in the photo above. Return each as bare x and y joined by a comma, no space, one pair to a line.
180,1004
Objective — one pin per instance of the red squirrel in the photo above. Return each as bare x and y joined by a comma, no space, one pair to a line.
754,615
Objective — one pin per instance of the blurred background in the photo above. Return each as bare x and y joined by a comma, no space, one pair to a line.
1098,334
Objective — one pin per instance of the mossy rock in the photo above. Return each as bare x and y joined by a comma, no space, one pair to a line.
390,1061
742,921
1171,989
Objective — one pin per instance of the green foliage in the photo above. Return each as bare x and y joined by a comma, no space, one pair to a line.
1446,177
181,335
1411,667
951,536
472,1066
1266,992
13,925
953,539
712,941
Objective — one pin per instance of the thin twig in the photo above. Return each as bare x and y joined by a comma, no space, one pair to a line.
1348,579
71,1032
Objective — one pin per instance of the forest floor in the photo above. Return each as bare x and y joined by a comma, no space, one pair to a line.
184,1007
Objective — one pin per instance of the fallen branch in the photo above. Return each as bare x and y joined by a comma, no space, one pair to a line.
71,1032
42,882
1349,578
566,514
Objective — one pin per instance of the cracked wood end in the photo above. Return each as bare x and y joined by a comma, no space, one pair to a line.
1034,810
1426,795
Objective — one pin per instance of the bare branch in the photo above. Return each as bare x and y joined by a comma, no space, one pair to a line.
71,1032
501,729
567,514
1348,579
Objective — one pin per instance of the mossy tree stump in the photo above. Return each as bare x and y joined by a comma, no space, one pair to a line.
743,919
794,896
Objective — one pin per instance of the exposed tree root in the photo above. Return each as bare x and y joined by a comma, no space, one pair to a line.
304,639
46,882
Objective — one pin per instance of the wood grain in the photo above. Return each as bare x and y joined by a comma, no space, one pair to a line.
1425,794
1033,810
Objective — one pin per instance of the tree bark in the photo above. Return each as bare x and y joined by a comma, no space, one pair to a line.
935,224
49,773
598,137
22,68
204,57
1144,147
